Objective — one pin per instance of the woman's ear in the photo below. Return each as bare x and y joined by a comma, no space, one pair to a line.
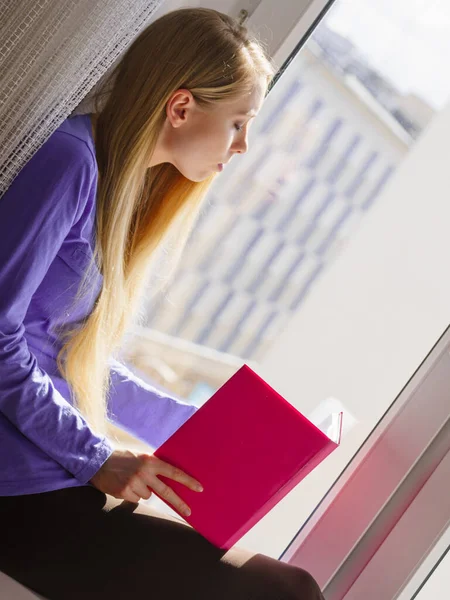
180,103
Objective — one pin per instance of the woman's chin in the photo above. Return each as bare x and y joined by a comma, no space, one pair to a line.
198,176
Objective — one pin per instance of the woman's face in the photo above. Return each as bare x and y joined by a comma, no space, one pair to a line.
197,141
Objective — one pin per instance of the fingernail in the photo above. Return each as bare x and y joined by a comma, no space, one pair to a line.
187,512
199,488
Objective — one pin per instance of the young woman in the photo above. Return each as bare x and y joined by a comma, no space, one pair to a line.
78,228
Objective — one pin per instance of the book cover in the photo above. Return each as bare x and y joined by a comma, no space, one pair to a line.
248,447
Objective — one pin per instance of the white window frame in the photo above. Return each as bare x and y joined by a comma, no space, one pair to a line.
286,25
355,533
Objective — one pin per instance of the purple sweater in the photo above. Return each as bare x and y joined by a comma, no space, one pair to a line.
46,238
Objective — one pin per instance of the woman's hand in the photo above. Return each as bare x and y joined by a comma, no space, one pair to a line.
133,476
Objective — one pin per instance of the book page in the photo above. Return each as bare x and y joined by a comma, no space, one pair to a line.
322,418
331,426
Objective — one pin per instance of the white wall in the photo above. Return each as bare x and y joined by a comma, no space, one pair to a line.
369,321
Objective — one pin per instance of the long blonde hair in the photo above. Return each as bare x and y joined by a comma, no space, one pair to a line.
211,55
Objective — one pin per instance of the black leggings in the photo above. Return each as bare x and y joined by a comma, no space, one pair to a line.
80,543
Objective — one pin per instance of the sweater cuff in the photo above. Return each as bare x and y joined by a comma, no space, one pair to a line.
103,452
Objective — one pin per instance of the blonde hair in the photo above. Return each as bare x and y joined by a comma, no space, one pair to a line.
216,59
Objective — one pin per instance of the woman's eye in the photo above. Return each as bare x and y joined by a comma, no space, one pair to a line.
238,127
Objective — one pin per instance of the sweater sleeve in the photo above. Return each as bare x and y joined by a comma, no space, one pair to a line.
36,214
140,408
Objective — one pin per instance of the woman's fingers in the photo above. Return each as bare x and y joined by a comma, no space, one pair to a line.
131,496
141,489
153,466
178,475
167,494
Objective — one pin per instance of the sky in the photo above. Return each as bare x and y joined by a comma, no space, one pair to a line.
408,41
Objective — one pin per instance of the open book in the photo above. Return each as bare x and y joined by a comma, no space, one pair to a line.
248,447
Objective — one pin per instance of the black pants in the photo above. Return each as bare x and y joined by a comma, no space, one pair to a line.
80,543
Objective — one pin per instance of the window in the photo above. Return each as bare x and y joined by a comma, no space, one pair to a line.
331,263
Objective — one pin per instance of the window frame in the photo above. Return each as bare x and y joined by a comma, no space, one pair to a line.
291,28
368,538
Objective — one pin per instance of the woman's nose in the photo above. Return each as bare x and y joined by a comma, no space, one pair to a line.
241,146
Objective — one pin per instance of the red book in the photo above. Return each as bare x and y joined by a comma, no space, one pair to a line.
248,447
